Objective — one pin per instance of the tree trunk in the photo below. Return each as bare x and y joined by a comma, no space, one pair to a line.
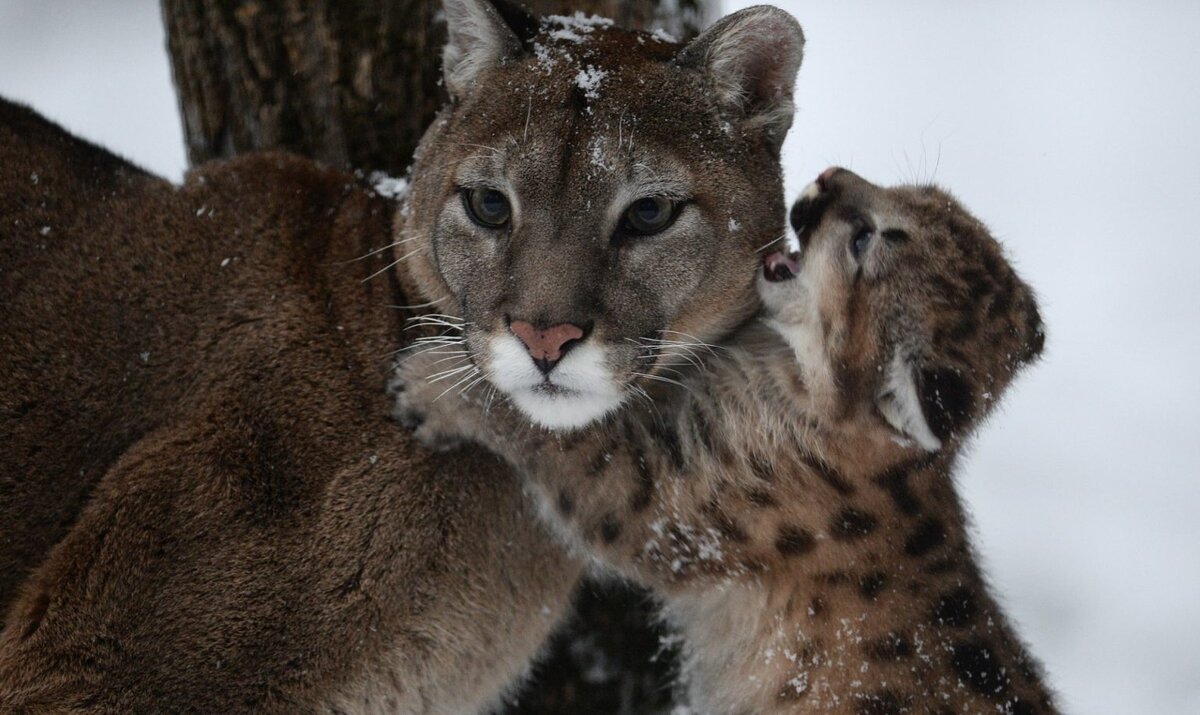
353,84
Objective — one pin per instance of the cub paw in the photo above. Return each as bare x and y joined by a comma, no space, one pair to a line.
424,423
433,414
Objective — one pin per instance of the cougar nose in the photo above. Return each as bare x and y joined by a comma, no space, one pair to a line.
546,345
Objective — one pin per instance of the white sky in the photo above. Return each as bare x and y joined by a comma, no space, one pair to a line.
1073,130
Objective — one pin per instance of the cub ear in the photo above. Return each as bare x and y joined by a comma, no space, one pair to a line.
480,34
751,59
900,403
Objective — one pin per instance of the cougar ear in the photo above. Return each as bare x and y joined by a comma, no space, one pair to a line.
899,401
480,34
751,59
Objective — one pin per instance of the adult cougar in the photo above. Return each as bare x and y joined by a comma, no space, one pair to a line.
204,506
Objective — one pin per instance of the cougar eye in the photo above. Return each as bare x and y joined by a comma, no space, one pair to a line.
487,207
861,240
648,216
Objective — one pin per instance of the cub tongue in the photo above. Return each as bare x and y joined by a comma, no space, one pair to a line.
779,266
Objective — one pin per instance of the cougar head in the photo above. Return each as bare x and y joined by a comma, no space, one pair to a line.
902,301
591,200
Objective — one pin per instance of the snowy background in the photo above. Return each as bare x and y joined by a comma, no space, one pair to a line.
1073,129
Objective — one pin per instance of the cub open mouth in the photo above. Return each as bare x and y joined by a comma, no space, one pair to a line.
780,266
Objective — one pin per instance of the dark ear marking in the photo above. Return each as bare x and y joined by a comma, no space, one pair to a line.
523,23
1035,332
947,401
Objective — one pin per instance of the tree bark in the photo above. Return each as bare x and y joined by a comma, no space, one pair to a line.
353,84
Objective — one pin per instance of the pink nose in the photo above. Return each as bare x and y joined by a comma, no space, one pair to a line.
823,179
546,346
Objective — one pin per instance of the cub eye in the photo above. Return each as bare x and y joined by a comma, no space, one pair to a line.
487,207
648,216
859,244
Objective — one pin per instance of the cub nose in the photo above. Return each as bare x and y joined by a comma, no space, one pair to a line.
827,176
546,345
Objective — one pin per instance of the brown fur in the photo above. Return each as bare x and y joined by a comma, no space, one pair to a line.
205,507
814,553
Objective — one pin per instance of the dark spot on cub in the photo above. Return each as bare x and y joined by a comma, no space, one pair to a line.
665,435
761,498
895,482
872,584
725,524
610,528
956,608
566,504
794,541
976,665
852,524
890,647
643,494
947,401
829,474
601,461
762,469
929,534
883,702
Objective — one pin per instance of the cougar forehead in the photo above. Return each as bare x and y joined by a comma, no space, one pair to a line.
571,128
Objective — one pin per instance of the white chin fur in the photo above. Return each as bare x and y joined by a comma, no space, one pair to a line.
584,388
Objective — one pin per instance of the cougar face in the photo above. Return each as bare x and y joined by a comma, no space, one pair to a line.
901,299
594,197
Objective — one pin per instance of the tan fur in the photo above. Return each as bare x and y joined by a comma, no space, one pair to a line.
814,553
205,507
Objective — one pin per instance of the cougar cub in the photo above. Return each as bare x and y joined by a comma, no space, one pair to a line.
792,499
